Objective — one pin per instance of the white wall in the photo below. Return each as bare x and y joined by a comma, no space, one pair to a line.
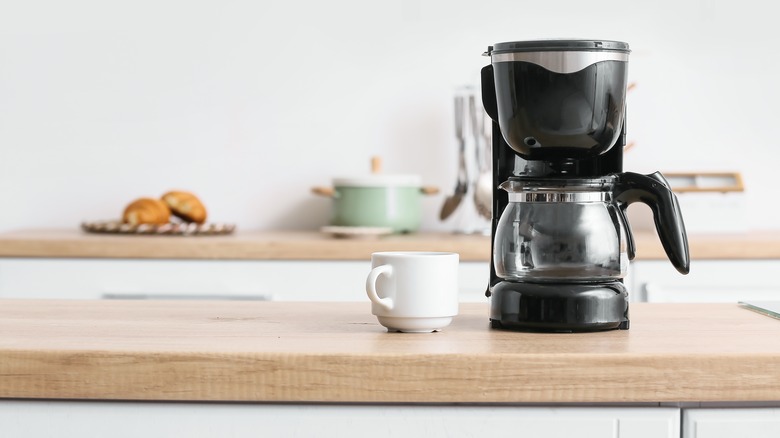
250,103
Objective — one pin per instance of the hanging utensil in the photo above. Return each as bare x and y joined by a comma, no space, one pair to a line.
452,202
483,185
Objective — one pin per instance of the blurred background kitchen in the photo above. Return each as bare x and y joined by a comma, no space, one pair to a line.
250,104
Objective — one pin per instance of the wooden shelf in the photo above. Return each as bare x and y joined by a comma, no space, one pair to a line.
722,182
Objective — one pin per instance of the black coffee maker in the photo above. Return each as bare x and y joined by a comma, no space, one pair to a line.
561,240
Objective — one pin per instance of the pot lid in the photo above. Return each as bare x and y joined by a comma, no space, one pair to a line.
380,180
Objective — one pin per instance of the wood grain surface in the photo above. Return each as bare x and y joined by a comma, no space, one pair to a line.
312,245
336,352
242,245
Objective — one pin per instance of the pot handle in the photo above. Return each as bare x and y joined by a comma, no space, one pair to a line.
328,192
429,190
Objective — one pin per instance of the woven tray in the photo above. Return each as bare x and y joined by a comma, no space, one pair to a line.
172,228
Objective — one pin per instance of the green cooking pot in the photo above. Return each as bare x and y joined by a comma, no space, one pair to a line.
388,201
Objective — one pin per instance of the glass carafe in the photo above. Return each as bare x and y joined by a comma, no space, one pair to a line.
561,230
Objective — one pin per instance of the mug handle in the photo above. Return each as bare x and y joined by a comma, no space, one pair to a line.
385,303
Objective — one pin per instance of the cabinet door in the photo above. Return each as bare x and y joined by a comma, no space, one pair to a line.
709,281
473,279
278,280
182,279
151,419
730,423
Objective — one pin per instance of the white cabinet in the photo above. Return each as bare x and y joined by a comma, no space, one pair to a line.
342,280
708,281
152,419
203,279
730,423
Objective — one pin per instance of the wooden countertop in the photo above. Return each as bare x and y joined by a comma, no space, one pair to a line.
336,352
303,245
242,245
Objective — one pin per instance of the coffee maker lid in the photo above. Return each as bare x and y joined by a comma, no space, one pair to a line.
557,45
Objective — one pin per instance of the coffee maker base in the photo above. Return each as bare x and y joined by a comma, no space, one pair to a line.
559,307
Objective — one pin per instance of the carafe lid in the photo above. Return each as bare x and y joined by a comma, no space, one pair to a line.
526,184
555,190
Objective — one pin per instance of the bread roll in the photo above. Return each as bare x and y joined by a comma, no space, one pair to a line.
146,211
185,206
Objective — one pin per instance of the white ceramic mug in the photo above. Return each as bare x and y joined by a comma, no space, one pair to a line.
414,292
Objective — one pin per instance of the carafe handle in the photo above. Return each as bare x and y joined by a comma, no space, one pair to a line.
654,191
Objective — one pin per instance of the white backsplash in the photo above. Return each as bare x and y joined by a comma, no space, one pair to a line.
249,104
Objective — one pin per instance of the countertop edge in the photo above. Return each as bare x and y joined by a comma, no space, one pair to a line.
313,245
267,377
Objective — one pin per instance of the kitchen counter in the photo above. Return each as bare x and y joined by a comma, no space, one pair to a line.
336,352
312,245
242,245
